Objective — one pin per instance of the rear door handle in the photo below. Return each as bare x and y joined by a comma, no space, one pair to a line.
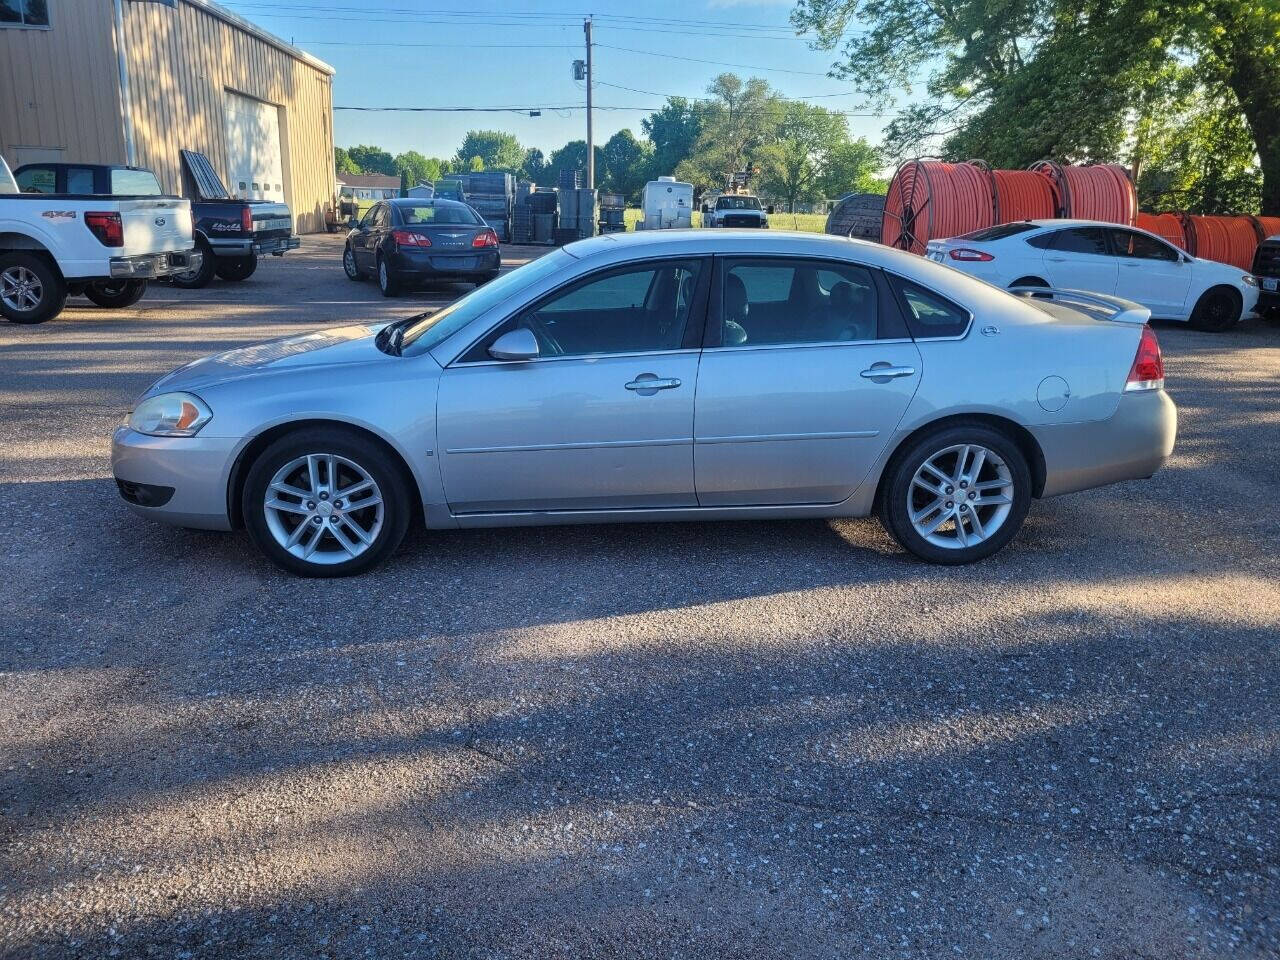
884,372
1056,259
648,384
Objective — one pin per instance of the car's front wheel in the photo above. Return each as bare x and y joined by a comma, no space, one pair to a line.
1218,309
957,494
349,264
326,502
237,268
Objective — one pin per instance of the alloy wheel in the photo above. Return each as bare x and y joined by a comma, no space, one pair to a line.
323,508
20,288
349,262
960,496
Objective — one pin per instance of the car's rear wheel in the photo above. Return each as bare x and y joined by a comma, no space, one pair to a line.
956,495
325,502
200,276
386,282
116,294
31,290
1218,309
349,264
237,268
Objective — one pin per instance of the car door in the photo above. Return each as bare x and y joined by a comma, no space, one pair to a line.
1151,272
1078,258
807,372
602,419
362,244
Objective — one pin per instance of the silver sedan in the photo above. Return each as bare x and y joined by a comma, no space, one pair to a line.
684,375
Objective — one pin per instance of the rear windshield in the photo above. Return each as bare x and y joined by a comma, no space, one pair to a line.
1000,232
429,213
135,183
737,203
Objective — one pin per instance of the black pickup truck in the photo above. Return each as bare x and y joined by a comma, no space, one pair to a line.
231,234
1266,267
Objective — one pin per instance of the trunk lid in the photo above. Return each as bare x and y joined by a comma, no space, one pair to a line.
1072,304
270,219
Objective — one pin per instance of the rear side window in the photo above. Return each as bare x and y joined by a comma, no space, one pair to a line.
772,302
999,232
930,316
1090,240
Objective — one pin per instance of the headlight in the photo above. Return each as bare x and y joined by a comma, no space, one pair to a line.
1249,280
170,415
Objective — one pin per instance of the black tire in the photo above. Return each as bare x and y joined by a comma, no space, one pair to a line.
388,284
237,268
898,497
116,294
1029,282
349,267
197,279
1218,309
32,289
370,457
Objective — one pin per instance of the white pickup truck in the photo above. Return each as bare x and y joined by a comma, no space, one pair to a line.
735,210
107,248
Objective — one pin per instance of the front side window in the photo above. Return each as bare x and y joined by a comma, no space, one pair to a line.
1127,243
771,302
24,13
929,315
1090,240
37,180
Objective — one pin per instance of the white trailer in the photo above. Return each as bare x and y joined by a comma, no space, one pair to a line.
667,204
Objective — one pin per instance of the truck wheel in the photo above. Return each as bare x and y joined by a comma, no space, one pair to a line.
200,277
115,294
237,268
31,288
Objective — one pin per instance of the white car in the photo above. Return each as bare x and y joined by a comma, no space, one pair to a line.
1107,259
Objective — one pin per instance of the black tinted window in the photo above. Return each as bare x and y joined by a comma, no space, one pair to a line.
1127,243
1042,241
37,180
929,315
1091,240
999,232
796,301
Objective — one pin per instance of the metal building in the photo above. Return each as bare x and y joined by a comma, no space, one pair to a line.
136,81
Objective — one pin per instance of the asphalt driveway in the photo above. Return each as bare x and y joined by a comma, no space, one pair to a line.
703,740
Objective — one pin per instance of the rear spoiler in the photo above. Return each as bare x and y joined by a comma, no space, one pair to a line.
1096,305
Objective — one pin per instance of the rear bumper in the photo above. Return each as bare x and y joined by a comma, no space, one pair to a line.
276,246
1133,444
178,480
152,265
423,264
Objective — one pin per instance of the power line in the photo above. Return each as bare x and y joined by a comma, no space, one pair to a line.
788,96
562,107
717,63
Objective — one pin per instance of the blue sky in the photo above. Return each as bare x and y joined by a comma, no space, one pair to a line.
421,53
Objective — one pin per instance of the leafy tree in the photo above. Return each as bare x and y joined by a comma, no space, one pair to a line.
793,164
534,165
851,167
477,164
372,160
572,156
342,162
414,168
496,149
626,163
741,117
674,132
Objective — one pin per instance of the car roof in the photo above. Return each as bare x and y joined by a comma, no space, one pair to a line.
425,202
1079,223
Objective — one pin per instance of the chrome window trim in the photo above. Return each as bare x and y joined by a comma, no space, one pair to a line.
581,356
812,343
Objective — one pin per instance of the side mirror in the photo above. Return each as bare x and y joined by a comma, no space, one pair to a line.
352,222
515,345
769,209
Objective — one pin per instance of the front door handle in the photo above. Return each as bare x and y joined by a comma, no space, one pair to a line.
884,372
1056,259
647,384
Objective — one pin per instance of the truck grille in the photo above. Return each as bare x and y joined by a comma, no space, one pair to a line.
1266,262
741,220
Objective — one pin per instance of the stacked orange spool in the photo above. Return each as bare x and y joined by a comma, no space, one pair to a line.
1230,240
1024,195
929,199
1167,225
1098,192
1267,227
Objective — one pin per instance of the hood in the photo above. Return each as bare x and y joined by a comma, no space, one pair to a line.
321,348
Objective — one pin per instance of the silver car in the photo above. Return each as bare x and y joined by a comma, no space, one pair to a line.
684,375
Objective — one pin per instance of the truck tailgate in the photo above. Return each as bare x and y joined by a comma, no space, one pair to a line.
156,225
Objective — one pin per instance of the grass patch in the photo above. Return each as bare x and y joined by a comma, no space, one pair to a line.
804,222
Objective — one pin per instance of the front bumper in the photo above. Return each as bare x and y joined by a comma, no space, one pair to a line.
178,480
1132,445
423,264
276,246
1268,299
149,266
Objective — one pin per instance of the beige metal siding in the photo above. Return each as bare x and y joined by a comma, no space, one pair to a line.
59,89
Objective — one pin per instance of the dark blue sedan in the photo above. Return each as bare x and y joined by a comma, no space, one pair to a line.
413,241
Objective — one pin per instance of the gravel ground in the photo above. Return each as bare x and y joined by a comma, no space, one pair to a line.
699,740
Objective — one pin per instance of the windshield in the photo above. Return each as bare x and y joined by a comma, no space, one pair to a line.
438,327
429,213
737,203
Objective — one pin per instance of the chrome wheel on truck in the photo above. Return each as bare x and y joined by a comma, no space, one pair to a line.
31,290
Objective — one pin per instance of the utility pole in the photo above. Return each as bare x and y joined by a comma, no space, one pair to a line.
591,144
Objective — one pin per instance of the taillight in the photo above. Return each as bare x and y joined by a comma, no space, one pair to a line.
407,238
486,238
246,219
106,227
1147,372
967,254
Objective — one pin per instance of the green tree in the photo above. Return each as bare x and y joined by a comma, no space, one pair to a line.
414,168
572,156
793,163
342,162
498,150
674,132
741,117
626,163
372,160
534,165
477,164
852,167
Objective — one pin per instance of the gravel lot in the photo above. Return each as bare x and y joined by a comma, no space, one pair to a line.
701,740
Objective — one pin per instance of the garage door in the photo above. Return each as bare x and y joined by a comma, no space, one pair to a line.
254,167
